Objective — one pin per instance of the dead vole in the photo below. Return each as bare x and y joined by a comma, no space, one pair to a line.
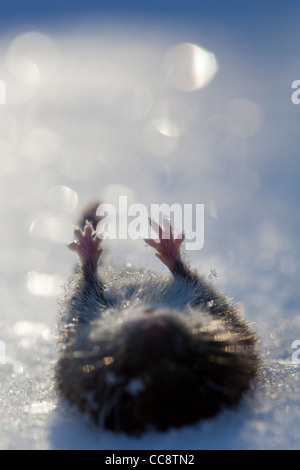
140,349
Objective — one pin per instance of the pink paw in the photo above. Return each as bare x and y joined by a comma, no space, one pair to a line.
168,247
87,246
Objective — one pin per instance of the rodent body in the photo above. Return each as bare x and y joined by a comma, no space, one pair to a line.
141,349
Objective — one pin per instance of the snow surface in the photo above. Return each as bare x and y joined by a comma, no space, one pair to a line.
94,113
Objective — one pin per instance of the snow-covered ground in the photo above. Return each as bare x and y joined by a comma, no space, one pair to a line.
115,110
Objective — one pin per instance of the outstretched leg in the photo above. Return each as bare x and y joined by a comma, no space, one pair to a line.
87,248
168,248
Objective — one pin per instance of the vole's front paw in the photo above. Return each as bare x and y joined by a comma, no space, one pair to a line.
87,246
168,247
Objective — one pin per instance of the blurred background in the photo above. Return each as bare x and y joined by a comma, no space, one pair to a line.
164,102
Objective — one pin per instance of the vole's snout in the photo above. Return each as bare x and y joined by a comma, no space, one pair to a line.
152,336
154,328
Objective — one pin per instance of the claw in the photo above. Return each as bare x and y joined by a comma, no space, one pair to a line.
167,248
168,228
165,232
179,239
73,246
156,227
87,246
151,242
78,234
88,229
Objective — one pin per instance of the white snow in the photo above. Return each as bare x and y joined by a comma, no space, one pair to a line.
102,111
